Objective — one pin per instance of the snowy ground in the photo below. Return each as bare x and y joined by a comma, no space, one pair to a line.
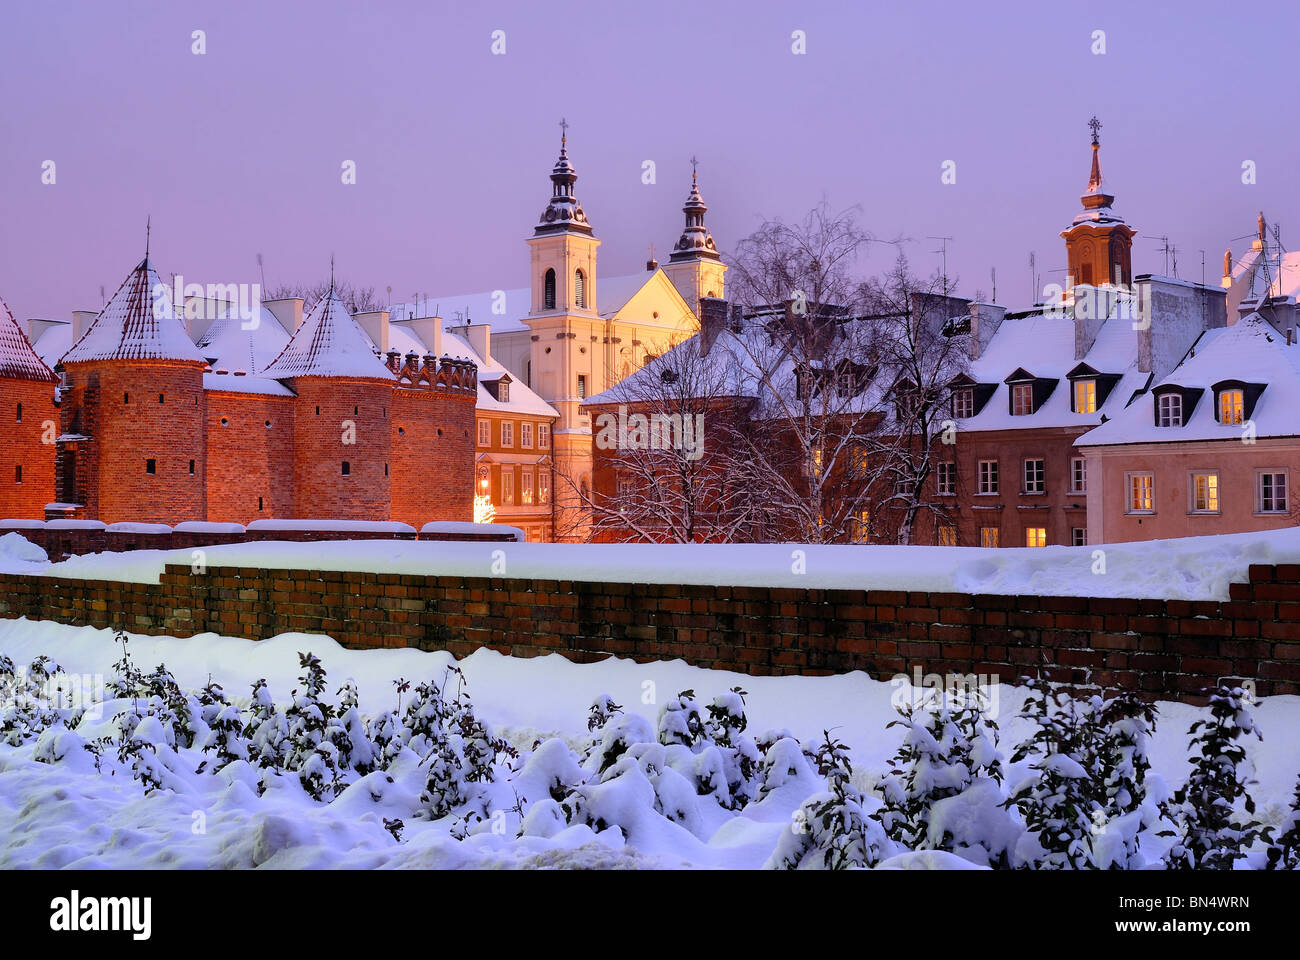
66,814
1194,568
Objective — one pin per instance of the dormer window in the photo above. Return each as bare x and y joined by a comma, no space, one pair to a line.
1169,410
1232,406
503,391
1027,393
969,397
1022,399
1085,396
1234,400
963,402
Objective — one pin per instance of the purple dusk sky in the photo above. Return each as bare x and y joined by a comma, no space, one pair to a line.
239,151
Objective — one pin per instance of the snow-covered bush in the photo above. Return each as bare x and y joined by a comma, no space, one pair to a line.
681,721
1284,851
831,830
1207,833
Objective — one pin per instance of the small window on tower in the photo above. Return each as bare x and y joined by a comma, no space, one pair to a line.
126,398
582,386
160,398
151,467
548,290
20,413
18,473
191,468
347,469
579,289
259,504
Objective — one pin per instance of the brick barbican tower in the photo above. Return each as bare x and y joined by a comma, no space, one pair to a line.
132,413
30,425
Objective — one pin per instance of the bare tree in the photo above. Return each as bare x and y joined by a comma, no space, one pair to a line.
357,299
669,433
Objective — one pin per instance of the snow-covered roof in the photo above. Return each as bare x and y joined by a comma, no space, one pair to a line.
235,342
1042,344
238,383
1251,351
137,324
612,294
330,343
54,342
18,361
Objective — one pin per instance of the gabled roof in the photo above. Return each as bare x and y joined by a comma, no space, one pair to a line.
330,343
136,325
1250,351
18,361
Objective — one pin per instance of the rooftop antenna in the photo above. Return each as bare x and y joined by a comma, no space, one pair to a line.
993,275
943,249
331,272
1033,278
1202,268
1167,249
262,270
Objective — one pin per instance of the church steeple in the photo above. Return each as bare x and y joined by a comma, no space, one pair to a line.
563,212
695,240
1099,243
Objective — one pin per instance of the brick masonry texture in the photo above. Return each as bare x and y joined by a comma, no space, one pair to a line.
23,444
1167,649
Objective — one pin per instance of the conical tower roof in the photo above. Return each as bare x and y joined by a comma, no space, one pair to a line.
18,361
330,343
137,324
695,241
563,213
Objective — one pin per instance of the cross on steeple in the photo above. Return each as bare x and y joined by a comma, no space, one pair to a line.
331,273
1095,124
148,225
564,130
694,164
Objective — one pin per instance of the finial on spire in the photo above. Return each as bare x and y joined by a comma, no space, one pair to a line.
1095,124
564,132
148,225
694,164
331,273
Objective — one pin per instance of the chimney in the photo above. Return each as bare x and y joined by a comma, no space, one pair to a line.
1171,314
288,311
81,321
375,324
428,330
36,327
985,318
713,318
1090,307
480,338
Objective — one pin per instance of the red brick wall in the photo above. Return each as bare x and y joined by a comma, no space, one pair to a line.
23,447
250,468
124,435
432,456
319,450
1162,648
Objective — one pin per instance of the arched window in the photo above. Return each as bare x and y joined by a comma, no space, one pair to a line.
579,290
548,291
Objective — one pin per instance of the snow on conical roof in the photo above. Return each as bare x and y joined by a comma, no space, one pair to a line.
18,361
328,344
137,324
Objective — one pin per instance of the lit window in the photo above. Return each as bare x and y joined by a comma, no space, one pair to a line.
946,478
1170,410
1141,493
526,488
1078,475
1034,477
1232,406
1085,396
526,435
544,487
1035,536
1205,493
507,433
1079,536
484,433
988,476
989,536
963,403
507,485
1271,491
1022,399
948,536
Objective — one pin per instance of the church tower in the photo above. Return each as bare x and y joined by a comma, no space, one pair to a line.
1099,243
694,266
567,331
